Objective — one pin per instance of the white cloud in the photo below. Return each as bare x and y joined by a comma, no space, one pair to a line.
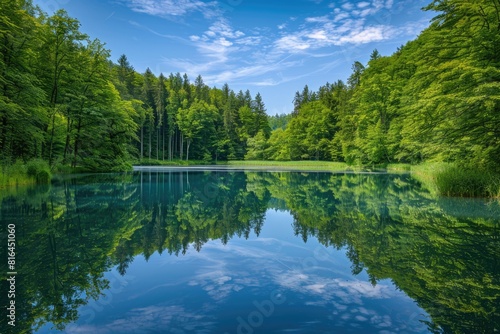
222,28
347,24
254,56
238,73
349,32
216,43
172,8
341,16
370,34
249,41
348,6
317,19
318,34
292,43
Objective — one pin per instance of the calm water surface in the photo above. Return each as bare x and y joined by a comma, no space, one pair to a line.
178,251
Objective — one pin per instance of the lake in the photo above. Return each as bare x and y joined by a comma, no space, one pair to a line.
177,250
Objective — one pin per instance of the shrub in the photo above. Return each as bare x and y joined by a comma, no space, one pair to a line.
39,170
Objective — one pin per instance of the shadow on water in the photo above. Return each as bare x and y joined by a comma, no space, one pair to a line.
443,253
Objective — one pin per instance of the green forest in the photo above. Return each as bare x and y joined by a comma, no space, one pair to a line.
66,106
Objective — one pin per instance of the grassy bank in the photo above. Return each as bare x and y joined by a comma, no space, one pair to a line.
154,162
292,165
20,173
452,180
446,179
327,166
442,179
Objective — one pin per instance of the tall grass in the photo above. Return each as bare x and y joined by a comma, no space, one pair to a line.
446,179
460,181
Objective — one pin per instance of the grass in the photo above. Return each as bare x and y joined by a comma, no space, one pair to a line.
440,178
316,165
154,162
446,179
468,182
426,174
35,171
443,179
292,165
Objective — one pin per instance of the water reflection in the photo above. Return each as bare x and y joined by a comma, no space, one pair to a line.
442,253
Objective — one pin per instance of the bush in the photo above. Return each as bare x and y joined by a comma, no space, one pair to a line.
39,170
467,182
34,171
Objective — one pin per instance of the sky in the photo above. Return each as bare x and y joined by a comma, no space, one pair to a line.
273,47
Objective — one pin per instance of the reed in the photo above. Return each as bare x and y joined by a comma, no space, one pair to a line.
467,181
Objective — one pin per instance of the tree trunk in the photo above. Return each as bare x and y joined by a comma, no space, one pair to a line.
149,146
66,146
77,142
51,142
187,149
181,146
170,147
174,143
142,142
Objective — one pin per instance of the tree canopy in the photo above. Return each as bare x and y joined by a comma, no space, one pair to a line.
63,100
436,98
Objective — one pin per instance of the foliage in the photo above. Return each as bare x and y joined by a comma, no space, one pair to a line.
20,173
39,170
63,101
437,98
279,121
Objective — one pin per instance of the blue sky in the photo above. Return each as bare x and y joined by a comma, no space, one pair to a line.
272,47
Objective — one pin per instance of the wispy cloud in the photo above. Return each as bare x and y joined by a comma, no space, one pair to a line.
154,318
346,24
255,55
173,8
252,71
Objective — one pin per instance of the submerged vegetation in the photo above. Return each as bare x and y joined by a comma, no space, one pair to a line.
437,98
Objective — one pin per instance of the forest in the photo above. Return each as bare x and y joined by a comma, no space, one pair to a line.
65,105
64,101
